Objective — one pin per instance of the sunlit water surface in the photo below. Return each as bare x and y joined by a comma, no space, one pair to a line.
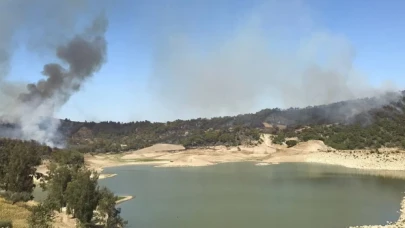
244,195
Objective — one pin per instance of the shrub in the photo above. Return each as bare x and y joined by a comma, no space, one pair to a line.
17,196
278,139
41,216
291,143
6,224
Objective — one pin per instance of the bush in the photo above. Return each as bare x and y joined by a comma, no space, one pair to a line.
291,143
279,139
6,224
17,196
68,157
41,216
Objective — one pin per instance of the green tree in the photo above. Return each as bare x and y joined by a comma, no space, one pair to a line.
61,170
291,143
279,139
109,215
17,174
71,158
4,157
42,216
82,195
56,183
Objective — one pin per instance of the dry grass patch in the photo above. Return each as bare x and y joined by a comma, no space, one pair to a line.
17,213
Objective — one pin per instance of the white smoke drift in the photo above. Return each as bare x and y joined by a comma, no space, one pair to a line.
277,57
30,108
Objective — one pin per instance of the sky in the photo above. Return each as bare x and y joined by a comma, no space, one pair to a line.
181,59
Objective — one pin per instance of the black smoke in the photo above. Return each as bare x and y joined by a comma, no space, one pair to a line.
50,29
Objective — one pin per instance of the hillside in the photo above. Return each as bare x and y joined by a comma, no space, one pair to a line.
376,128
360,123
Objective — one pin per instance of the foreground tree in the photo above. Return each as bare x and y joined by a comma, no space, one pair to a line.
56,183
109,215
82,196
71,185
18,161
68,184
64,165
42,216
20,168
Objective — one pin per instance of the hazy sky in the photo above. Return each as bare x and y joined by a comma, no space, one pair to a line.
189,58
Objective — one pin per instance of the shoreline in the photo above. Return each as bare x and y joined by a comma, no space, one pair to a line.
386,162
312,151
367,163
106,175
398,224
126,198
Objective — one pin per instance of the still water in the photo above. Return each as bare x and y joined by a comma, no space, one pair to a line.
244,195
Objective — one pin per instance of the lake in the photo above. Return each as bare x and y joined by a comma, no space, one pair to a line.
244,195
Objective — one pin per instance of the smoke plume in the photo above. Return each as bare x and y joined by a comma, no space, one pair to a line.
31,108
278,56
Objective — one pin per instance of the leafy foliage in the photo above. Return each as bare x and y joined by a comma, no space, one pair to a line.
67,182
82,195
70,158
57,181
15,197
18,160
291,143
382,127
41,216
279,139
232,137
61,170
109,136
6,224
108,212
115,137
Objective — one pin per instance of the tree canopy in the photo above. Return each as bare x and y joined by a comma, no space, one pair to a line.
18,161
68,184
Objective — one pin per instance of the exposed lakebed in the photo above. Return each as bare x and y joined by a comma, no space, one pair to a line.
244,195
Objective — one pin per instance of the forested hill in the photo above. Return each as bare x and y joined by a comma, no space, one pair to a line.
235,130
363,116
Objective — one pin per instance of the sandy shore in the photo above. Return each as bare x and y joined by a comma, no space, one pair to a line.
387,160
312,152
105,175
126,198
265,154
